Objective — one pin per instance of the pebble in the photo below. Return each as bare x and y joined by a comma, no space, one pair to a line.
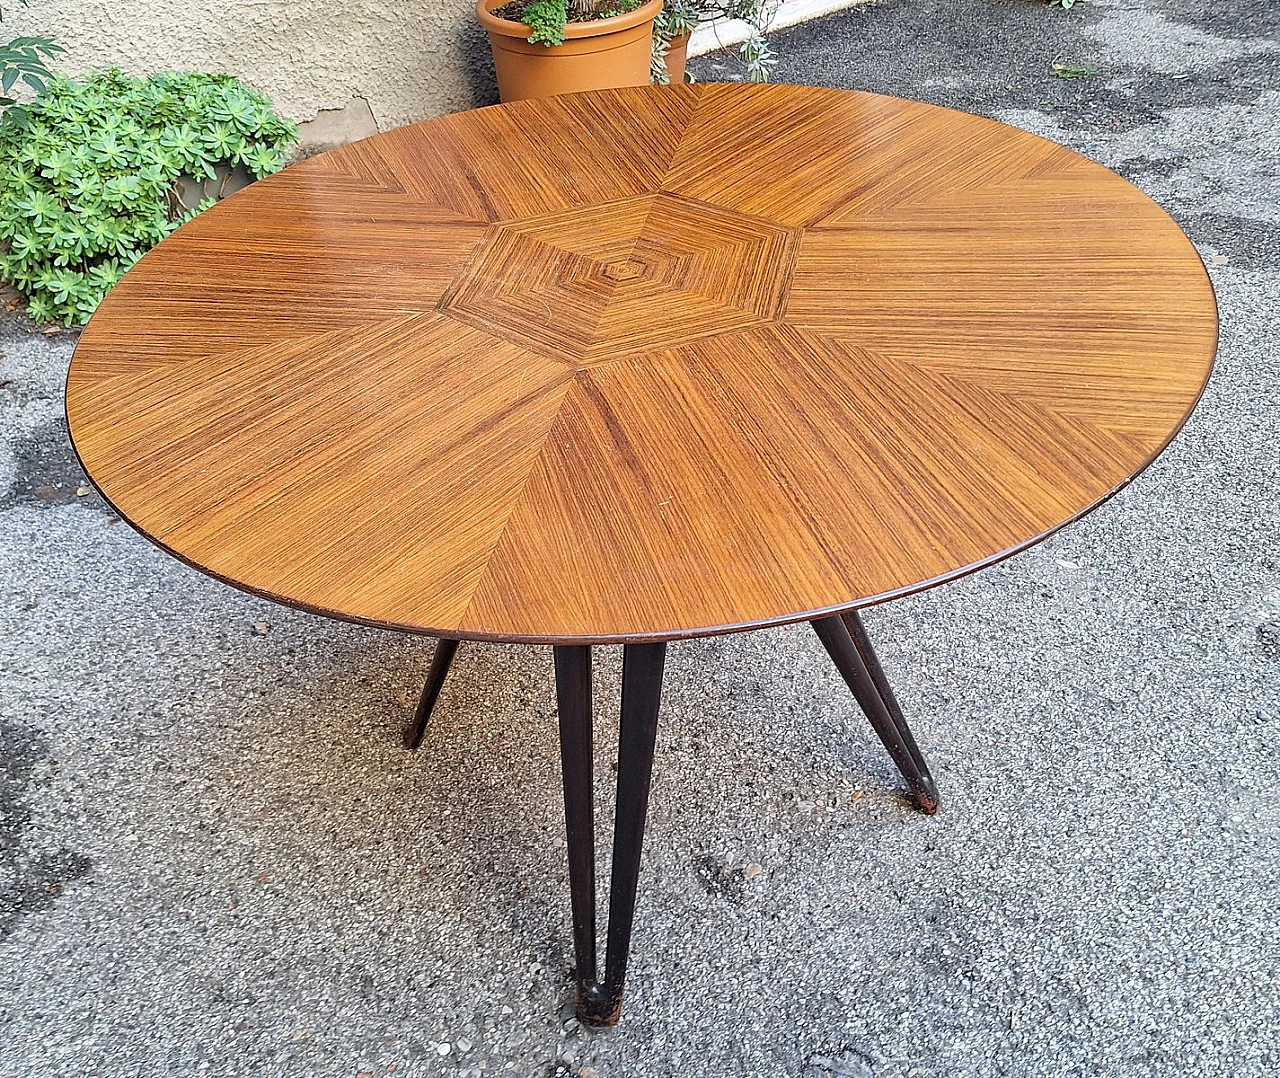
443,1049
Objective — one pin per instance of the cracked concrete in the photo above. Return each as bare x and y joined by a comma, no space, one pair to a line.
218,860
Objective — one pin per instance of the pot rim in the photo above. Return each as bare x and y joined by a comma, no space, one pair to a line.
595,28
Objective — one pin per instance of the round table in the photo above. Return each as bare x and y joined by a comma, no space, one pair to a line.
641,365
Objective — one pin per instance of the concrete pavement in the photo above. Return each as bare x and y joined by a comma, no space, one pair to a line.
216,858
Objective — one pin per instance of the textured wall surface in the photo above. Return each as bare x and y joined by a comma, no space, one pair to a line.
400,63
407,61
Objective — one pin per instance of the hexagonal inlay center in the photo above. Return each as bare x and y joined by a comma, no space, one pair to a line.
627,270
592,284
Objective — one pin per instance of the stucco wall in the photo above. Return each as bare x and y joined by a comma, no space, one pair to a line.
359,66
407,61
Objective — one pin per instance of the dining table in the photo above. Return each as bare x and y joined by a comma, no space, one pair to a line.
639,366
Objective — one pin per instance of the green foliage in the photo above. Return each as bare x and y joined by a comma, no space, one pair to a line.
23,58
1071,71
1067,4
676,19
88,171
546,18
679,17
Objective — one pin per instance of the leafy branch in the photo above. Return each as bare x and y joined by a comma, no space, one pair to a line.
24,58
680,17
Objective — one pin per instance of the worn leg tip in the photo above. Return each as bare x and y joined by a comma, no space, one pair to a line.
925,794
596,1011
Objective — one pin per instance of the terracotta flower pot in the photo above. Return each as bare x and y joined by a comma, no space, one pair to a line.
594,56
677,56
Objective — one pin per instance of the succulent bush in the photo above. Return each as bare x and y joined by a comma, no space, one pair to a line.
88,176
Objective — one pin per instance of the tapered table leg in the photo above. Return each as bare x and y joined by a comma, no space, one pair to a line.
600,1003
573,702
850,649
858,632
440,662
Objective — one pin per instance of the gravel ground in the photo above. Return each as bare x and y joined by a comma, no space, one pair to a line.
216,858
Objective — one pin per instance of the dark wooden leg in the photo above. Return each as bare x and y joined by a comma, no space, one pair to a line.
641,691
435,681
600,1004
850,649
573,701
858,631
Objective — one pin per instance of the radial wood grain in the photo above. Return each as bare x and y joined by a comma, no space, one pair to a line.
642,363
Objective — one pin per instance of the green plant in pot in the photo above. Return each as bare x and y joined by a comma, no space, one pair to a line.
547,47
93,174
679,18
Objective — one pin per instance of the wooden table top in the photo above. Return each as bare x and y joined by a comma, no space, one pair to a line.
644,363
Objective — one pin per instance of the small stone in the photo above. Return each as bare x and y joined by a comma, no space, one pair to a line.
507,1010
82,491
752,870
443,1049
1219,260
586,1072
261,628
571,1026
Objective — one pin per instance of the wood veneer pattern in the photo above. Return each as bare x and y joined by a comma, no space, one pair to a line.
606,367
